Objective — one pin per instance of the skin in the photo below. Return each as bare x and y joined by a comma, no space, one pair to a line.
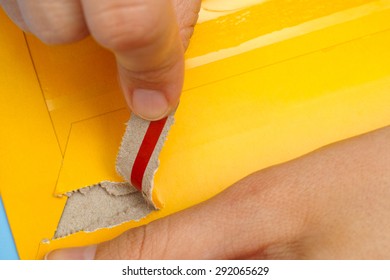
330,204
147,37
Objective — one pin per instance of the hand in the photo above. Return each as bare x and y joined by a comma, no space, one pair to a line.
333,203
148,38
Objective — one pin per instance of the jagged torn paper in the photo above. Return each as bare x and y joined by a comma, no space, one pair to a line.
109,204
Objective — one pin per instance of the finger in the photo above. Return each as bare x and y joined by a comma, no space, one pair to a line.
11,7
325,205
144,37
54,21
242,222
322,205
187,13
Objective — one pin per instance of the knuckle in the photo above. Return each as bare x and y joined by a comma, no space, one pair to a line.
129,245
283,197
146,242
135,244
148,78
121,28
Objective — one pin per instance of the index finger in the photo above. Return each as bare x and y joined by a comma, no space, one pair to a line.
145,39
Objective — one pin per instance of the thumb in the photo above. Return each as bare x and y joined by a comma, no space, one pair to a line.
239,223
144,37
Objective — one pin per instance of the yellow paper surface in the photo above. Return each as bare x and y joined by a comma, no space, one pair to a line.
265,82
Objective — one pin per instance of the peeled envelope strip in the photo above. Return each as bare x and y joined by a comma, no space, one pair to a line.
108,204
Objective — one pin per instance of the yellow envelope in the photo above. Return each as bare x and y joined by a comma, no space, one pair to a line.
266,81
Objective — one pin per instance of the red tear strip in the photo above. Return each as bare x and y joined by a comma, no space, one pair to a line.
145,152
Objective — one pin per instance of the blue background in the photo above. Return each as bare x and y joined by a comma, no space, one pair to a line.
7,244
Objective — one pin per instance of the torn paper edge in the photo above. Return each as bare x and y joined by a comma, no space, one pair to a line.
103,205
128,151
130,146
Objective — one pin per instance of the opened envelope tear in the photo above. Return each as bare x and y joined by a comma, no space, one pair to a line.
108,204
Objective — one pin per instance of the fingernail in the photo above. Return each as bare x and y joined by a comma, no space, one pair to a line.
150,104
78,253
